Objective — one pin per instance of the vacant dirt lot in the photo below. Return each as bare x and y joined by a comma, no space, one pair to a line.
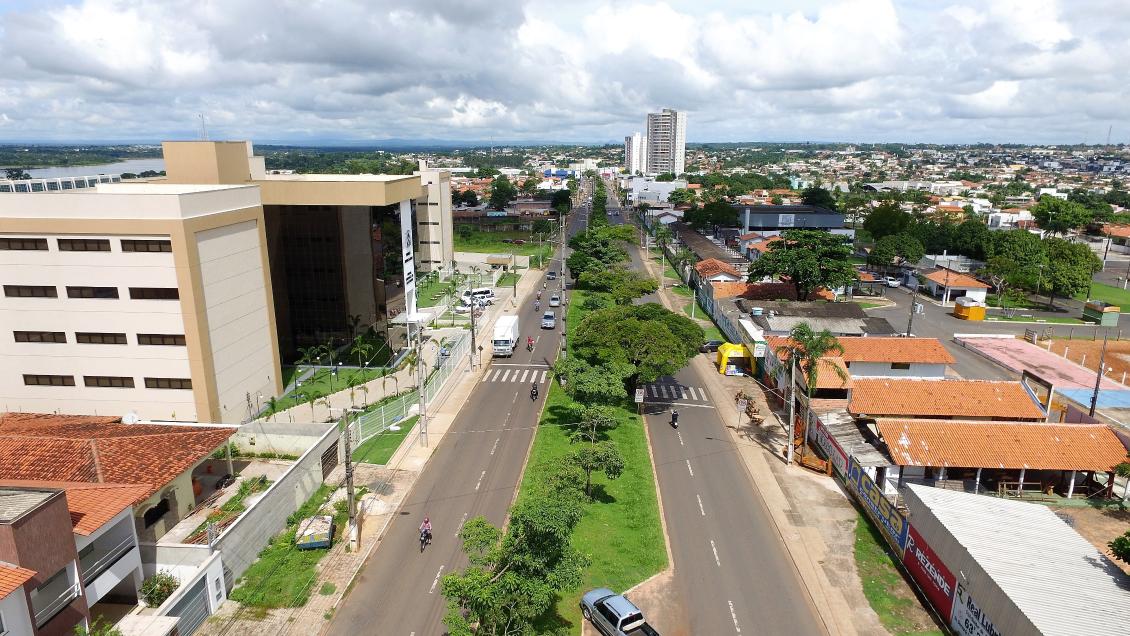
1099,526
1117,355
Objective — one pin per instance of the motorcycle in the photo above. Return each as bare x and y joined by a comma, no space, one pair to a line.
425,539
534,394
675,419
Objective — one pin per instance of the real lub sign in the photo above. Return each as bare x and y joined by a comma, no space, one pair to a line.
968,618
932,576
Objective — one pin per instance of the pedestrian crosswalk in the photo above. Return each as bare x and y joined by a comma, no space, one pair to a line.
674,393
527,374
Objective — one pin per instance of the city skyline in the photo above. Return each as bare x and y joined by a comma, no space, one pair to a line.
849,71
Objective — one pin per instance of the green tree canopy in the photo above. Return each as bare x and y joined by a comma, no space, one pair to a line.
1071,267
542,226
665,176
886,219
1057,216
679,196
599,456
893,246
1017,255
815,195
593,384
809,258
623,284
972,238
646,341
502,192
561,201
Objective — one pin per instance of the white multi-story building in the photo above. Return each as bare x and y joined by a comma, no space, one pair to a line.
667,142
635,154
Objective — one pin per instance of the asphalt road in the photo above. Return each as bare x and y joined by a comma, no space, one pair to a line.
733,574
474,471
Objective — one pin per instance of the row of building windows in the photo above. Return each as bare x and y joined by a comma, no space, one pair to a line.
85,245
50,291
105,381
89,337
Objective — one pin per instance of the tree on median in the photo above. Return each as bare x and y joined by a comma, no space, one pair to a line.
809,258
643,342
623,284
597,456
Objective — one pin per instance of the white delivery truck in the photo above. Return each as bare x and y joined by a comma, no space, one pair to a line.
505,336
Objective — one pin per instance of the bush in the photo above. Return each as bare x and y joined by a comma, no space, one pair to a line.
1121,547
464,231
97,628
158,587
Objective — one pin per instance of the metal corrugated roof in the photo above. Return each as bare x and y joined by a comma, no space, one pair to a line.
1054,576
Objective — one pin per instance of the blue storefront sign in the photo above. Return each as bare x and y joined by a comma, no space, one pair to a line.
891,522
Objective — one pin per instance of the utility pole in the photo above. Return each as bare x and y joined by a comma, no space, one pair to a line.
1098,377
349,478
421,378
474,342
910,319
792,408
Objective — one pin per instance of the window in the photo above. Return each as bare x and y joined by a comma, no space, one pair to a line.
83,245
40,336
168,383
86,337
904,366
219,591
31,291
129,245
92,292
154,293
39,244
154,514
108,381
48,380
169,339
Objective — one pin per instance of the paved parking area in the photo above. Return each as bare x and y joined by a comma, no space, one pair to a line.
1019,355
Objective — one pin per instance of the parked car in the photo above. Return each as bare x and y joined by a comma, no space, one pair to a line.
891,281
710,346
519,242
555,301
549,320
551,275
613,615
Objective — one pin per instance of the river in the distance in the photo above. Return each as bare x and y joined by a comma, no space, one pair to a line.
130,165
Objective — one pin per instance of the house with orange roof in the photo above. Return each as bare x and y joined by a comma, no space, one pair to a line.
943,399
948,285
714,270
756,249
876,357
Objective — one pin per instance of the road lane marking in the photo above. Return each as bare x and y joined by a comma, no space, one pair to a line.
689,469
495,447
680,438
701,406
663,391
654,391
435,581
683,392
505,374
524,374
484,474
519,364
734,615
713,547
464,520
700,508
542,380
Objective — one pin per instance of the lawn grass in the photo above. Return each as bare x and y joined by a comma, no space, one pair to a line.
620,531
324,383
509,279
234,506
433,291
884,586
683,291
380,448
288,373
867,305
1033,319
1109,294
491,243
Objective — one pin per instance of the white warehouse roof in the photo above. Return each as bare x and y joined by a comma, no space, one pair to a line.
1062,583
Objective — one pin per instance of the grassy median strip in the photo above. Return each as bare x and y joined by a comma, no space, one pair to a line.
380,448
885,587
620,531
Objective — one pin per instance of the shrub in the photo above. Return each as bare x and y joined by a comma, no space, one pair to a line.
1121,547
158,587
98,628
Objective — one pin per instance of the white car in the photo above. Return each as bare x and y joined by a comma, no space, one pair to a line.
891,281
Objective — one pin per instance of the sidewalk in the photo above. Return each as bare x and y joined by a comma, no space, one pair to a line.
815,519
390,485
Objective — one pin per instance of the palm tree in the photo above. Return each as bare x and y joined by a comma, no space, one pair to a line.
681,259
663,235
805,349
273,405
362,349
1123,470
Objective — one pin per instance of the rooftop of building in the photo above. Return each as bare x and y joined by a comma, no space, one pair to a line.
12,578
752,291
883,349
72,448
952,279
1038,561
136,188
17,502
91,505
339,177
943,398
1004,445
713,267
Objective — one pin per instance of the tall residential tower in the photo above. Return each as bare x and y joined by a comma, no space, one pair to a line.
635,153
666,141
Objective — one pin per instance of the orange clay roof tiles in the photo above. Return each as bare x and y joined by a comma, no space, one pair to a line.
1007,445
90,505
12,578
970,399
955,280
881,349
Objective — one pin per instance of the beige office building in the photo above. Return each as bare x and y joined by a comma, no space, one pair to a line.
179,299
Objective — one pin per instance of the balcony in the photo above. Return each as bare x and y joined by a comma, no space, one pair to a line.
53,597
103,557
106,563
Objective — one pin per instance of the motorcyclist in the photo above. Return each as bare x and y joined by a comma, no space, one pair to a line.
537,305
675,418
534,391
530,343
426,529
539,294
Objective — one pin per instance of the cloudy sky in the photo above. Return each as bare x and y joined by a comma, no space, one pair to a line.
324,70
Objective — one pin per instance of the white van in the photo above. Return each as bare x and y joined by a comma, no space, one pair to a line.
481,294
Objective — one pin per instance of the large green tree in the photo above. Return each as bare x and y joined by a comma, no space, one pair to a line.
886,219
680,196
502,192
893,246
1056,216
645,341
819,197
1019,256
624,285
972,238
593,384
597,456
810,259
1071,267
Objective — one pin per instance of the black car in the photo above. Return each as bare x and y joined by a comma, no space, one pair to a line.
711,346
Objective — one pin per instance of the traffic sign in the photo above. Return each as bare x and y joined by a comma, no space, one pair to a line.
639,396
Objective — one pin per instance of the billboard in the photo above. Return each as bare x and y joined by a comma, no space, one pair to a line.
831,448
933,577
407,251
968,619
786,220
891,522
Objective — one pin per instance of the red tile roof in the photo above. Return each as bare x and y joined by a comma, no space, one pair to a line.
828,378
754,291
1008,445
90,505
713,267
883,349
955,280
968,399
13,578
763,246
749,236
1117,230
99,449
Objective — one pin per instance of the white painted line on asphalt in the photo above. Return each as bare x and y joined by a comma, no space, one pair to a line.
505,374
680,438
700,508
542,380
683,392
703,398
495,447
689,469
524,374
463,521
734,615
654,391
484,474
435,581
713,547
701,406
663,391
519,364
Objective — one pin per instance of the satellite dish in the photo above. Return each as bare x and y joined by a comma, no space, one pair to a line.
131,418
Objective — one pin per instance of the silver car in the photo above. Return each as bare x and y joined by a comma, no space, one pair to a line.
555,301
549,320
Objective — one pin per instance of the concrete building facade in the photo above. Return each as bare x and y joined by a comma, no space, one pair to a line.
635,154
666,142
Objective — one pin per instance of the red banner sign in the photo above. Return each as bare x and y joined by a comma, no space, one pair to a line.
931,574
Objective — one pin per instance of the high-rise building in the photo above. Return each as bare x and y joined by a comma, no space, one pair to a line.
635,153
666,141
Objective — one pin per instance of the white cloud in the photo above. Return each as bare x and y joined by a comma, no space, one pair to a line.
1006,70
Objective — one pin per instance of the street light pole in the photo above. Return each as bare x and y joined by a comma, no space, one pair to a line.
1098,377
910,319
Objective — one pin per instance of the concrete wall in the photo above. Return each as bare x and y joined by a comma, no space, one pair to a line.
883,369
181,559
16,613
278,437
